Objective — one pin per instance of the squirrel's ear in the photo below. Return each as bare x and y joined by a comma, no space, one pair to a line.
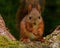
38,7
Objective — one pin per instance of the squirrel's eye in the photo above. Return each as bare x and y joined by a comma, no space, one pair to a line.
39,17
29,17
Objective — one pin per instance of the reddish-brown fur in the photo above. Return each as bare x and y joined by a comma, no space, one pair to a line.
27,26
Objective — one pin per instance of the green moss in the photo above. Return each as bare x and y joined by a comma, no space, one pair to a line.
5,43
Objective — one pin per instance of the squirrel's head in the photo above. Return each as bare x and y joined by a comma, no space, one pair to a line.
34,17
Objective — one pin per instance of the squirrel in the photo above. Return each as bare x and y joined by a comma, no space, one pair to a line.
32,26
26,7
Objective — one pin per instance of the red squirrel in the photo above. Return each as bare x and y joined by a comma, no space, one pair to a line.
32,26
28,7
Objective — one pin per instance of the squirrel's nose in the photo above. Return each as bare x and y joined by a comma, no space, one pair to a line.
34,23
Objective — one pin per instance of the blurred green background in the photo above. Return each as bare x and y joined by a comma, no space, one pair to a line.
51,15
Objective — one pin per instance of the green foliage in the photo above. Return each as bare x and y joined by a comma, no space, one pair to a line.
5,43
